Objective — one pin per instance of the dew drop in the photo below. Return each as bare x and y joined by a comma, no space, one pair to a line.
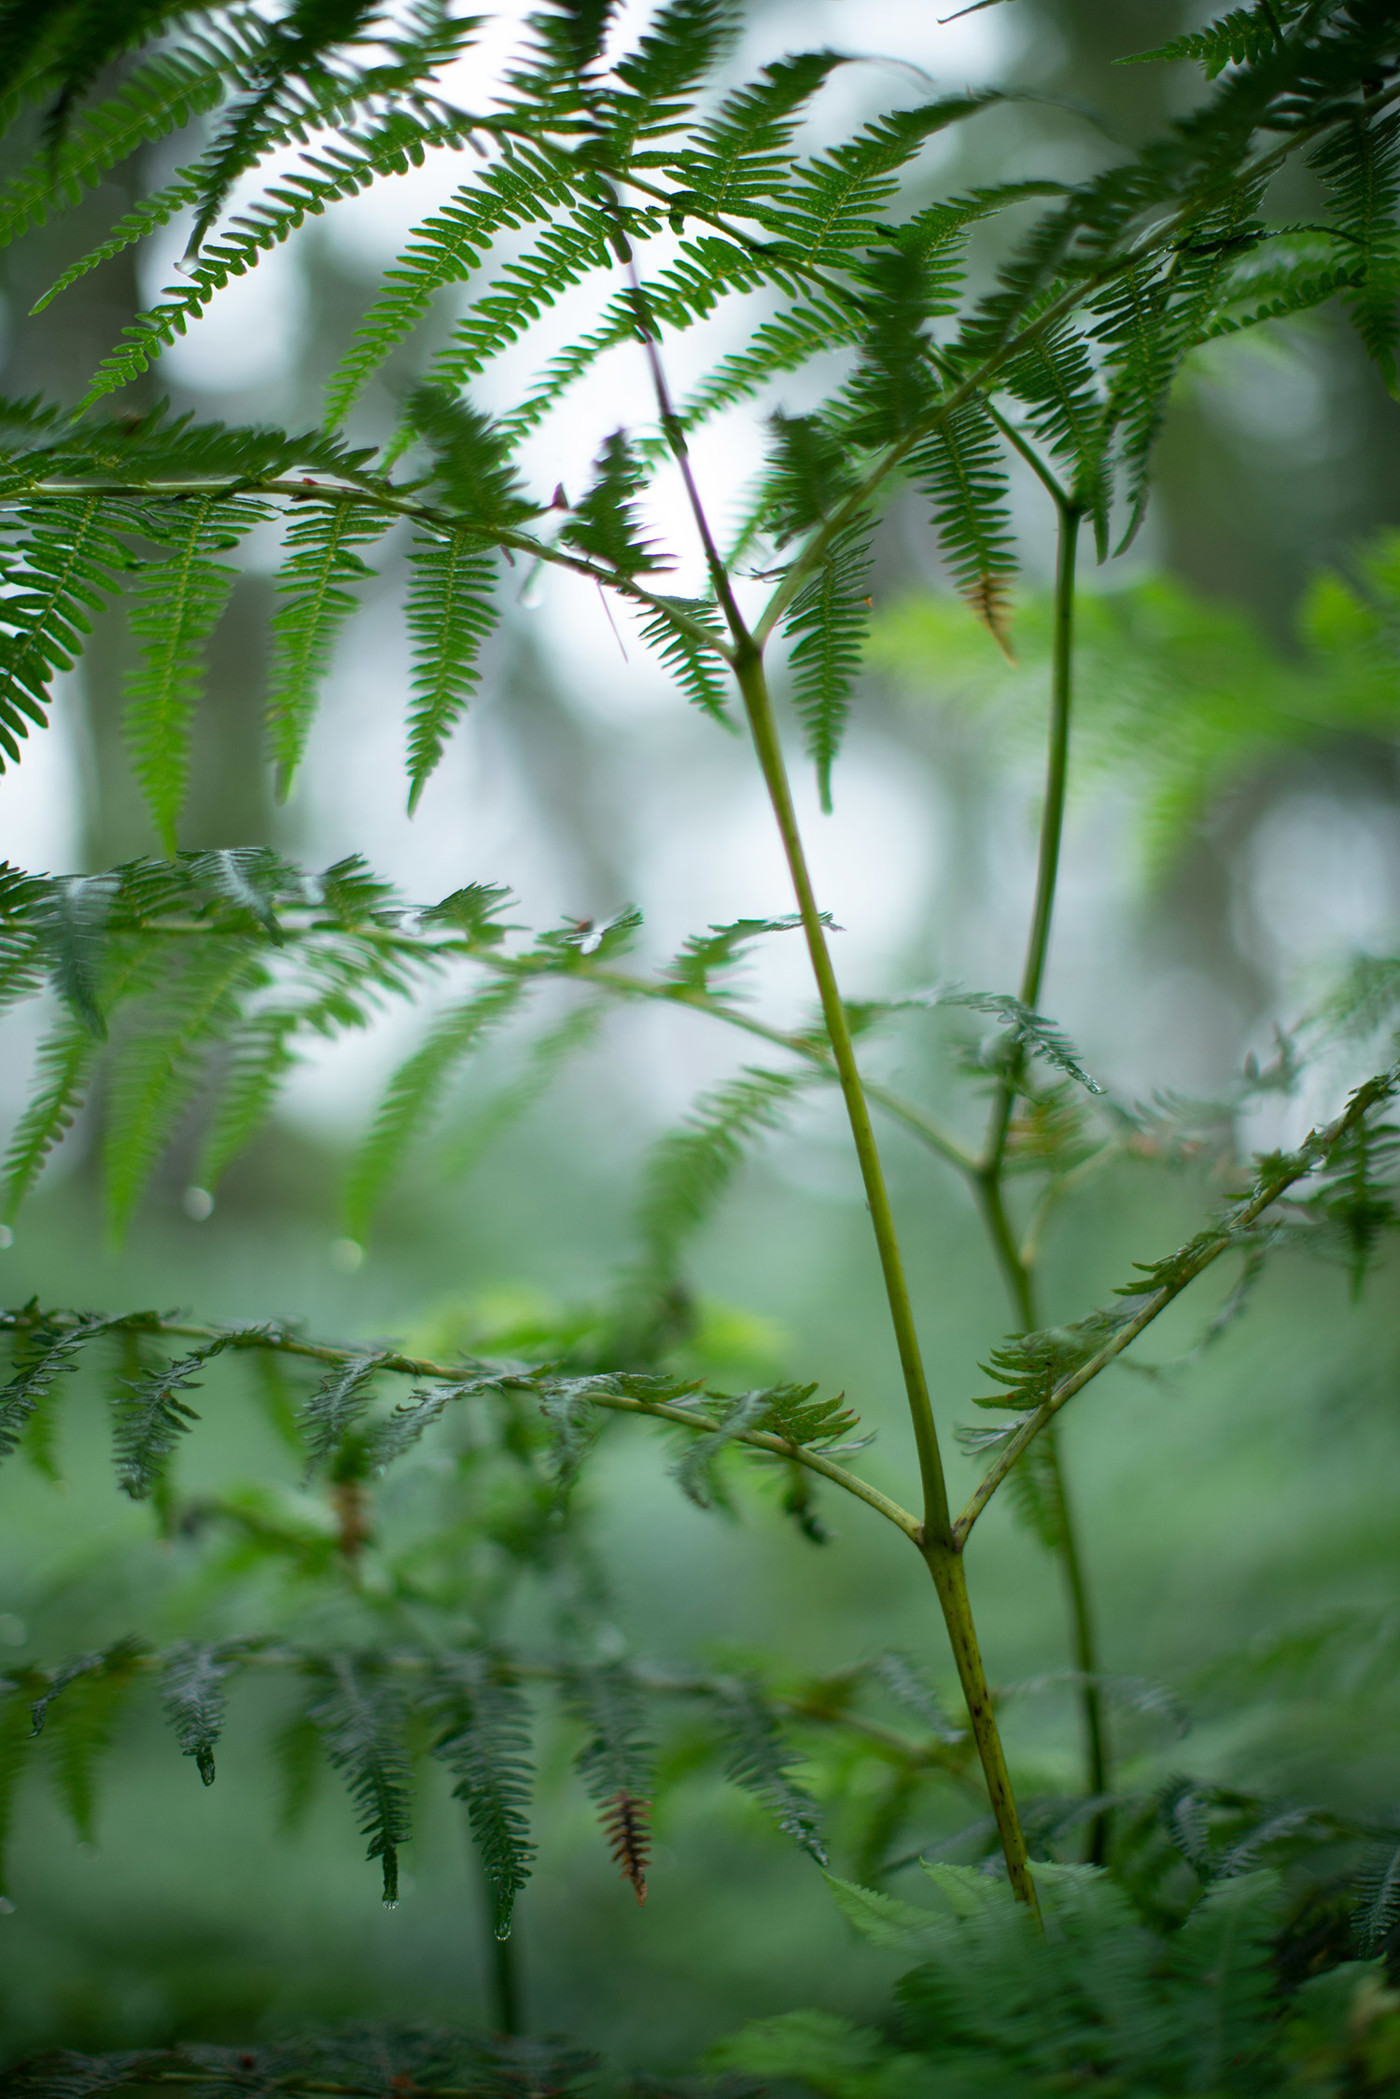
503,1932
532,590
7,1237
346,1255
392,1905
197,1204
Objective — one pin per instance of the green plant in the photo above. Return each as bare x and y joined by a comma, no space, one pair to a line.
191,982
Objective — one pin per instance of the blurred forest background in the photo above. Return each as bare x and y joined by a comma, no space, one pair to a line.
1210,890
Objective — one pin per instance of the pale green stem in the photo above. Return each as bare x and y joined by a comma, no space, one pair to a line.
939,1548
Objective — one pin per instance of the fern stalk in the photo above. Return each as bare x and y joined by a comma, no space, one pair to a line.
936,1540
989,1180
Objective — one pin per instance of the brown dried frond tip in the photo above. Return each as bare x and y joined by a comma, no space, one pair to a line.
625,1821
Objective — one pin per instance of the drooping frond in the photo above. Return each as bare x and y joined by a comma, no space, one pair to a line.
194,1696
416,1090
86,1699
64,1064
1242,37
156,1070
1378,1904
960,466
335,1410
485,1743
149,1416
908,1686
695,668
43,1354
317,589
826,624
175,607
360,1716
615,1764
1360,164
62,570
1028,1031
451,611
758,1759
690,1169
739,156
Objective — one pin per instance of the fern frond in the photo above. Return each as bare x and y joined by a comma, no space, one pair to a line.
317,588
1360,164
80,1736
740,155
415,1092
195,1700
1027,1031
569,251
64,1064
690,1169
175,607
1242,37
1055,378
67,568
390,146
451,611
909,1687
162,95
672,56
1222,1959
156,1070
704,955
826,208
485,1743
1378,1897
360,1718
335,1410
471,459
43,1355
615,1763
960,467
758,1759
695,1470
826,624
696,670
149,1416
603,524
444,249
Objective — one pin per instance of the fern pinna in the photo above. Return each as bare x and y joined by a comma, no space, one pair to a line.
615,167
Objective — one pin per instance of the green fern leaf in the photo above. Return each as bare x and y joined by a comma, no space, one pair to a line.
758,1759
43,1354
603,524
64,1065
67,569
193,1693
415,1092
317,587
1027,1031
1378,1899
1360,164
740,155
93,1693
175,608
705,955
1243,37
485,1743
690,1169
149,1416
360,1717
332,1415
1222,1959
826,624
157,1070
470,459
451,611
960,466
